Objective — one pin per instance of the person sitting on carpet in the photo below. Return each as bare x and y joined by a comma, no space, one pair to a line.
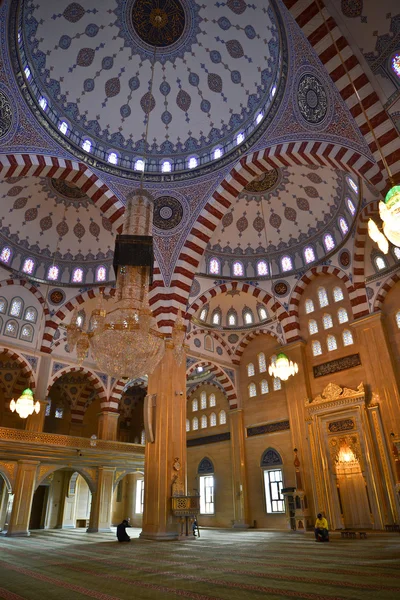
321,529
121,531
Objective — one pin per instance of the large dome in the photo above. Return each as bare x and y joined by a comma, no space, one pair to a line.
217,70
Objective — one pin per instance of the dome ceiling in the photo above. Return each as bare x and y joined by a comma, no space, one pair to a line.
92,62
283,210
40,215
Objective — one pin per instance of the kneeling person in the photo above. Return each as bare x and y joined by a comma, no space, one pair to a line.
121,531
321,529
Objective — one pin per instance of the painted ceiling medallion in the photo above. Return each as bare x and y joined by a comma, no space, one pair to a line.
159,23
264,182
67,189
6,115
168,212
312,99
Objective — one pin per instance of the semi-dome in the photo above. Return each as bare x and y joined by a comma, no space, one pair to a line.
217,70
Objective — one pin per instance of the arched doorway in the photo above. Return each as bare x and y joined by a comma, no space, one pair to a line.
128,497
14,378
6,498
131,421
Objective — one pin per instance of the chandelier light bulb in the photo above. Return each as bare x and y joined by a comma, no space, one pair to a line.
377,236
25,405
282,367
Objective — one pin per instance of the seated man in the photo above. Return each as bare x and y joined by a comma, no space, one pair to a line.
121,531
321,529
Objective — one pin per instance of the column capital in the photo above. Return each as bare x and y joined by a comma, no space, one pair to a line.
375,317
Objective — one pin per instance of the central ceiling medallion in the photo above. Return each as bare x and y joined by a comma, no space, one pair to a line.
264,182
159,23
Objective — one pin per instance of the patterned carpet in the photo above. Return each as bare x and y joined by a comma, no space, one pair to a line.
229,565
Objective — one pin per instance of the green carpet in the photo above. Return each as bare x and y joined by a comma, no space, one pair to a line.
230,565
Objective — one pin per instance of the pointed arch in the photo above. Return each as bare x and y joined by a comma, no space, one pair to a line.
362,305
31,288
120,386
26,369
214,334
82,472
221,376
245,341
383,291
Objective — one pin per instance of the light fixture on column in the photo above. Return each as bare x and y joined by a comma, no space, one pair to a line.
282,367
25,405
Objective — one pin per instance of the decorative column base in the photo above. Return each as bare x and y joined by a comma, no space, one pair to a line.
161,536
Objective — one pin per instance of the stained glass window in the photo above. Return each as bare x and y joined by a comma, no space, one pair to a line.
216,319
238,270
316,348
286,263
203,314
101,273
113,158
327,321
30,314
347,337
139,165
48,408
322,297
203,421
338,294
262,365
277,384
3,305
192,164
203,400
331,342
222,417
380,263
5,255
43,103
351,206
309,254
187,425
250,370
262,313
87,145
27,333
312,326
398,319
232,318
166,167
329,242
211,400
342,315
396,251
262,268
396,64
264,387
343,225
28,266
214,266
252,390
309,306
217,153
59,412
11,329
240,138
53,272
352,184
248,317
195,424
16,307
195,405
213,420
77,276
63,127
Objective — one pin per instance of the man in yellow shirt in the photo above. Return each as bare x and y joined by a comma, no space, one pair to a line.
321,529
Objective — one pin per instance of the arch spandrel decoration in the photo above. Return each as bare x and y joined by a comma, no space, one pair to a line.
271,458
205,466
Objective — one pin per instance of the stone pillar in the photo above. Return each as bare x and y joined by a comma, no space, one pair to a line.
66,475
130,479
168,384
107,425
100,512
239,475
23,495
35,421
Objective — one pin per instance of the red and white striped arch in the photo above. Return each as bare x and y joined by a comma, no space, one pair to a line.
120,386
194,389
31,288
302,284
371,210
221,377
26,369
213,334
36,165
308,17
385,288
244,342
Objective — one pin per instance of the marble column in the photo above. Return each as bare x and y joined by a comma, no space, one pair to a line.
107,422
23,495
239,476
100,512
167,386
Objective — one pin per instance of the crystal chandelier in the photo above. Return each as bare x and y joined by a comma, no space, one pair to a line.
389,212
25,404
282,367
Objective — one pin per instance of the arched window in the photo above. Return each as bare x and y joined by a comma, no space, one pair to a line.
3,305
5,255
312,326
59,412
309,304
262,365
338,294
53,272
195,405
213,420
238,270
248,317
214,266
380,263
101,274
262,313
77,275
27,333
239,138
316,348
43,103
16,308
187,425
203,400
222,417
250,370
329,242
216,317
209,343
29,266
80,319
112,158
143,437
217,153
344,228
86,145
63,127
166,166
252,390
347,338
351,207
211,400
30,314
11,329
327,321
331,343
264,387
398,319
273,481
139,165
203,421
352,184
277,384
322,297
192,162
286,263
203,314
395,64
195,424
309,254
232,317
342,315
206,484
262,268
396,252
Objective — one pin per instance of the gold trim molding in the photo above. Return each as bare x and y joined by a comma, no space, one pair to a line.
335,395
